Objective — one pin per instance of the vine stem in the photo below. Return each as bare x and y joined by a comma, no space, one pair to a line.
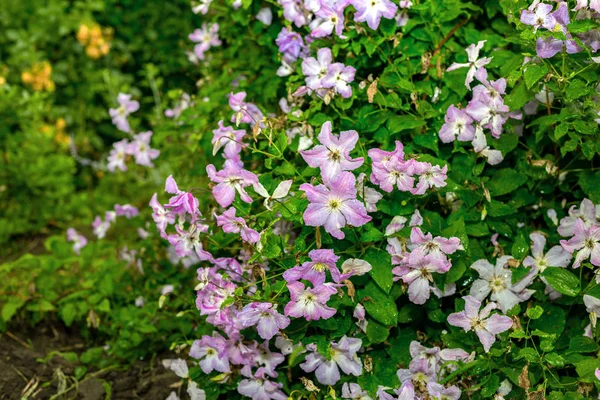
449,35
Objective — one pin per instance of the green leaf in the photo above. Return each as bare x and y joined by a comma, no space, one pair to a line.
535,312
562,280
518,97
505,181
10,308
534,73
381,272
401,123
68,313
582,344
379,305
376,332
576,89
520,246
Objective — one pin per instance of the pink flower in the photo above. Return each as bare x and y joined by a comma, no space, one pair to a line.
482,149
485,327
210,350
206,38
339,77
261,389
141,151
371,11
315,69
328,19
474,62
126,107
161,216
426,245
231,179
430,176
127,210
310,303
586,213
586,241
343,355
79,241
314,271
497,282
418,274
332,156
247,113
229,139
541,16
116,157
233,224
457,126
267,320
182,202
336,206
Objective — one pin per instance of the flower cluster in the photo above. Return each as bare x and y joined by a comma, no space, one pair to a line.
486,110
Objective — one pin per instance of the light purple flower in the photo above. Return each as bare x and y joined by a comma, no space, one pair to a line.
229,139
426,245
438,391
540,16
280,192
315,69
329,18
486,328
586,212
310,303
474,62
371,11
231,179
482,149
206,38
314,271
430,176
161,216
339,77
418,275
126,107
390,170
291,45
555,257
457,126
592,306
586,241
353,391
267,320
247,113
116,157
79,241
497,281
210,350
336,206
100,227
182,202
265,15
332,156
343,355
140,149
232,224
261,389
294,11
127,210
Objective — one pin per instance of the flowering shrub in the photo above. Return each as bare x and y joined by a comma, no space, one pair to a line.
381,199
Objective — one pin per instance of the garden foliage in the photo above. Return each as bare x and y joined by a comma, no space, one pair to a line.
359,199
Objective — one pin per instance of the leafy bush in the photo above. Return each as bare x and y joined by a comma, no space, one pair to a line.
391,200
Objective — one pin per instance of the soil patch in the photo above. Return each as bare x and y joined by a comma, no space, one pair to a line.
24,375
